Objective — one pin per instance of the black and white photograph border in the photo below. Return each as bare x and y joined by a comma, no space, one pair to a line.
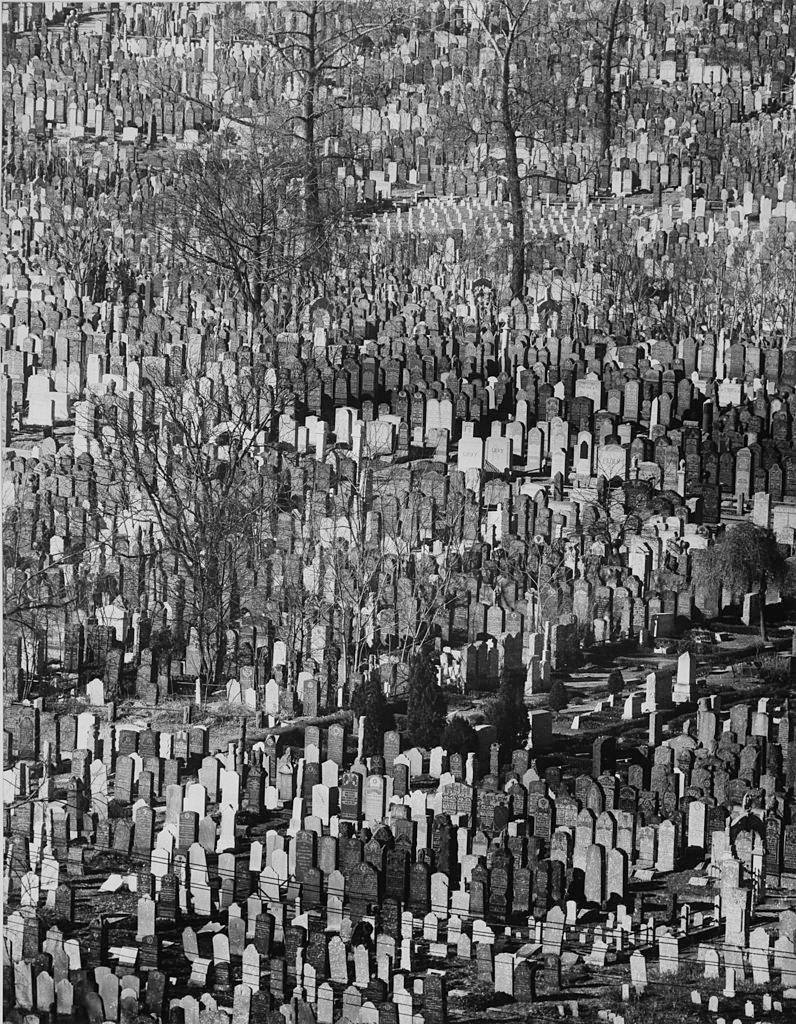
398,506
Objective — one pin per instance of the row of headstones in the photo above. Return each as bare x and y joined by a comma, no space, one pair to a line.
550,433
497,963
725,360
483,938
376,794
587,412
147,830
499,453
81,732
576,237
544,288
160,754
117,998
480,663
518,982
26,118
486,966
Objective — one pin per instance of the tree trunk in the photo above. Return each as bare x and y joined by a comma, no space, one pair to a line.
763,635
218,667
608,96
312,199
205,668
256,286
515,188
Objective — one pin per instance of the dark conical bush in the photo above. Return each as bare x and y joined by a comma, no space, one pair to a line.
426,705
507,712
558,698
369,700
460,737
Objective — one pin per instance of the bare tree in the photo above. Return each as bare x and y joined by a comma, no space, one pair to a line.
761,273
313,40
608,70
189,454
297,602
45,578
389,561
82,241
235,208
374,561
504,37
526,101
741,285
538,570
603,24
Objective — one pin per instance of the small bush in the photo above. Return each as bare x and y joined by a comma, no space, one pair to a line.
558,697
775,671
616,681
508,714
460,737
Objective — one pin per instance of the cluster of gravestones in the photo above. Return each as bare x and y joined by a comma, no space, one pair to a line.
537,399
531,438
146,874
142,870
